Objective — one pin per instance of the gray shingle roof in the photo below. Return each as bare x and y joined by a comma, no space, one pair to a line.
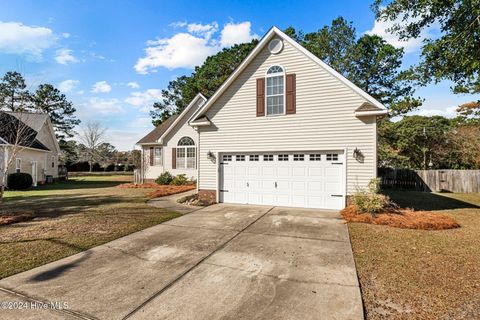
156,133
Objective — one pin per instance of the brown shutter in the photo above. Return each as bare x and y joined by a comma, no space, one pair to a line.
260,97
291,93
174,158
151,156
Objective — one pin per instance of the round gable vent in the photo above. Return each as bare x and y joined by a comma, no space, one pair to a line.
275,46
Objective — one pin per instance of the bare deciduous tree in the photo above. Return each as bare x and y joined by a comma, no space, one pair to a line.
92,136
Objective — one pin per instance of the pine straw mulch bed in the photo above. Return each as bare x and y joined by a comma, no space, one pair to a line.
159,190
402,218
9,218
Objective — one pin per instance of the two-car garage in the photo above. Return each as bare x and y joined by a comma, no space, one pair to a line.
314,179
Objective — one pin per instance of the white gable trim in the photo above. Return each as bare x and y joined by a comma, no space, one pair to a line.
180,117
272,32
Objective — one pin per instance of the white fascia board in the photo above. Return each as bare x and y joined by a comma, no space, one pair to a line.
200,123
371,113
180,117
275,31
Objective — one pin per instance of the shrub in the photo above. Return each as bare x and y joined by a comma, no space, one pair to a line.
19,181
164,178
180,180
370,200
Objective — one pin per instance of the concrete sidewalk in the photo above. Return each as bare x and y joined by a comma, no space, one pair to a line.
219,262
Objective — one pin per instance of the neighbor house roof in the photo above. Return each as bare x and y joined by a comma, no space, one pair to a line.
157,134
274,31
14,131
34,120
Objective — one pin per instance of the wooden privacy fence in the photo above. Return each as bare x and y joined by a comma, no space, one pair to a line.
465,181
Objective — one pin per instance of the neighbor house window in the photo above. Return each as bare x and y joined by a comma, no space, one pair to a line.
157,156
18,165
275,90
186,153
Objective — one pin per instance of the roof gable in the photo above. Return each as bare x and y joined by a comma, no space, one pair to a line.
15,131
157,134
275,32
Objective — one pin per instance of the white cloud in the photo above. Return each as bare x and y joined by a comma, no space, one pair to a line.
101,87
144,99
380,28
66,35
65,56
235,33
189,49
17,38
133,85
68,85
183,50
105,106
448,112
204,30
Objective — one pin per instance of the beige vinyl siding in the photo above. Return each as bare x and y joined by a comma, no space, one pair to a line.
180,130
324,119
151,172
184,130
28,156
46,136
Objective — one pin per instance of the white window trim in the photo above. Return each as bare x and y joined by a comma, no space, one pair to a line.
284,90
17,161
160,163
185,150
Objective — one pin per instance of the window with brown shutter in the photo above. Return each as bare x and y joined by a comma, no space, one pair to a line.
260,97
151,156
290,97
174,158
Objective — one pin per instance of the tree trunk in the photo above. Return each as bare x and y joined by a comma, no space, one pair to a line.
90,164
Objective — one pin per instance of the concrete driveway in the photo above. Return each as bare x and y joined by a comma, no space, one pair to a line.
219,262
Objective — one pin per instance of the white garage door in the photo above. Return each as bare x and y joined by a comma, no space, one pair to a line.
295,179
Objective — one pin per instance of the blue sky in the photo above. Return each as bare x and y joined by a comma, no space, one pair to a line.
112,58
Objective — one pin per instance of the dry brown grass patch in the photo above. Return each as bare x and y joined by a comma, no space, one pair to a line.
403,218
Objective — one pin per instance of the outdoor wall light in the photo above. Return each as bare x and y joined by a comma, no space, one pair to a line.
211,156
358,155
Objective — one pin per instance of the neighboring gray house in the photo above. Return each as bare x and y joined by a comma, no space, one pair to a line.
286,129
35,150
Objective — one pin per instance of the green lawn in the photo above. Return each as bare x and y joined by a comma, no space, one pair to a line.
414,274
71,217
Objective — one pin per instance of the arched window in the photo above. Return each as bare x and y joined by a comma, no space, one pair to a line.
186,141
275,88
186,152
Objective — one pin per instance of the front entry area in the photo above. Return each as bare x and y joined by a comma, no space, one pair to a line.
313,179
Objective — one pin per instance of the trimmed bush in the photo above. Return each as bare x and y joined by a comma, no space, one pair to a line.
19,181
180,180
370,200
164,178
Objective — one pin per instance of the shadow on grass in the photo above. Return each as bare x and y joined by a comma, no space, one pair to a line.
54,206
426,200
79,183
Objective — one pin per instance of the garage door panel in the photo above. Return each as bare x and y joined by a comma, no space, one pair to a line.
283,172
315,172
267,171
253,171
299,171
300,180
